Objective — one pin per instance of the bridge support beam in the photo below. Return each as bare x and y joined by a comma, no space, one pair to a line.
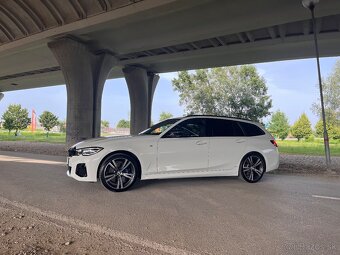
85,74
141,85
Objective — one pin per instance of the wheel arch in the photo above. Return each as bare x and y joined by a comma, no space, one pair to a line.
123,152
253,152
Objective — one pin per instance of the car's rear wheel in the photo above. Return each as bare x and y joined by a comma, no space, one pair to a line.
252,167
119,172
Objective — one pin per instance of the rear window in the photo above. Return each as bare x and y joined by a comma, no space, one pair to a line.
251,129
221,127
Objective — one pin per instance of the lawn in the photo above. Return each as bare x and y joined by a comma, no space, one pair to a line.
308,148
37,136
315,147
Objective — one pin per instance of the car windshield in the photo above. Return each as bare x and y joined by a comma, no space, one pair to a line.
160,127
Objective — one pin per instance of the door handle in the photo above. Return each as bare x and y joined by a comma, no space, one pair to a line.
201,142
240,140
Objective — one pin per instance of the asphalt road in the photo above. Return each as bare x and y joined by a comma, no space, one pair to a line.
283,214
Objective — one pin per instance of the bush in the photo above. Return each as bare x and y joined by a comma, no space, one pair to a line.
310,139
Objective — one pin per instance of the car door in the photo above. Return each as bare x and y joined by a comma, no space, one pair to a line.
227,146
184,148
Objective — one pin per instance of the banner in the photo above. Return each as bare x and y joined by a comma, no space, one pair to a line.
33,121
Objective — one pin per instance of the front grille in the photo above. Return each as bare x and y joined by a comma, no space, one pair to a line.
72,152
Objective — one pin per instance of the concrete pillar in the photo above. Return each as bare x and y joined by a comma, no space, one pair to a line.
85,74
141,85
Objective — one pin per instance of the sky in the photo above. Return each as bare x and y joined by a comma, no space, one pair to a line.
292,86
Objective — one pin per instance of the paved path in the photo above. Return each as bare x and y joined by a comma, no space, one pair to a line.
281,214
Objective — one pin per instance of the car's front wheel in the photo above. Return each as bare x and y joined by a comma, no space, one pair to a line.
119,172
252,167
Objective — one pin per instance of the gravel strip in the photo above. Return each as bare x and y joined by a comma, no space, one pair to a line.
301,164
306,164
56,149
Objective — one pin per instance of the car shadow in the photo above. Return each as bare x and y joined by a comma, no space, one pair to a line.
177,182
195,181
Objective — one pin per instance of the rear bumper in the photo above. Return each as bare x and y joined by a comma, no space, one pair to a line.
272,159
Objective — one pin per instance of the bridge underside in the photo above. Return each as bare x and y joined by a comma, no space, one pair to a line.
161,36
149,37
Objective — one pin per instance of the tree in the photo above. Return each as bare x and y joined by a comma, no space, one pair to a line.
333,129
62,126
123,124
279,125
105,124
331,96
237,91
336,132
48,120
8,121
165,115
302,127
15,118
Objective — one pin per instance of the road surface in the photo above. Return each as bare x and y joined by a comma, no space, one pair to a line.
282,214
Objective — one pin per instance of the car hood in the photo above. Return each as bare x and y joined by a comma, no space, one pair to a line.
102,141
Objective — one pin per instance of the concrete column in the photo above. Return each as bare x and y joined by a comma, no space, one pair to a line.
85,74
141,85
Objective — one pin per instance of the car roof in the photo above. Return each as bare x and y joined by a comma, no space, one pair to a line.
218,116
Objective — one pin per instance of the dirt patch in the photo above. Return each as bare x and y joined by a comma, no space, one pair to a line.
23,233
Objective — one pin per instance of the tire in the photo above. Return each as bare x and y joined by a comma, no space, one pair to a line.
119,172
252,167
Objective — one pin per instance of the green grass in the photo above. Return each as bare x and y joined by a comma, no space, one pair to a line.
315,147
308,148
38,136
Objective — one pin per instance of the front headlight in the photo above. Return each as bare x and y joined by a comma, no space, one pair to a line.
89,151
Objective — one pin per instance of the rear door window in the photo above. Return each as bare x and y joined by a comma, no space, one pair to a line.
251,129
222,127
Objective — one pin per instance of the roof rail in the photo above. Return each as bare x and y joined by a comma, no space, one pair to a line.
211,115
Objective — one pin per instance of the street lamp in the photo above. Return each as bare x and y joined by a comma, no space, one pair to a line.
310,4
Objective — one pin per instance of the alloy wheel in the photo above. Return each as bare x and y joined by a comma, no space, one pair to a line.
252,168
119,173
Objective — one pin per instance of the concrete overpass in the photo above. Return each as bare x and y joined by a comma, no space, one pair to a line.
84,42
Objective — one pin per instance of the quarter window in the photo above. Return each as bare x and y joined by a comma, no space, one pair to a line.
189,128
221,127
251,129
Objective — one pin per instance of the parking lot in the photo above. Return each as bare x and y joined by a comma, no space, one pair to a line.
281,214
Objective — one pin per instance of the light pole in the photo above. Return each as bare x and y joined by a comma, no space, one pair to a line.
310,4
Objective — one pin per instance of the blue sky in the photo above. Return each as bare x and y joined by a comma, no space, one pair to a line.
292,86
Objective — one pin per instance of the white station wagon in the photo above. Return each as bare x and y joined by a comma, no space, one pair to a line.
192,146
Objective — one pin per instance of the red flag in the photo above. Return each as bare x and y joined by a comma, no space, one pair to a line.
33,121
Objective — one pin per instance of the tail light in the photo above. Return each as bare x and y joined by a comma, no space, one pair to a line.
274,143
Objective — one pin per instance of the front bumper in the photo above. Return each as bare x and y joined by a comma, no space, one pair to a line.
68,171
84,168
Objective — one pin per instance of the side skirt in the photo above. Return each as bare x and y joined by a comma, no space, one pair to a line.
191,174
